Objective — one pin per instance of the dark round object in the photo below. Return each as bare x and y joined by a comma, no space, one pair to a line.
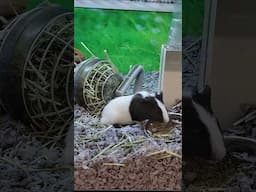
79,77
95,83
36,68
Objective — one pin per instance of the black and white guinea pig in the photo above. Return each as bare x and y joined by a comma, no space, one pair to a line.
201,133
141,106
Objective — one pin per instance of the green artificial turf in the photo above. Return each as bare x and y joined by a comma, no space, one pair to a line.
130,37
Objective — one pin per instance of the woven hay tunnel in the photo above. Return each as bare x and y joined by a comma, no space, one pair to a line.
36,54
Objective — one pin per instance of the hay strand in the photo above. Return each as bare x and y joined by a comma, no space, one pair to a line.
174,154
114,164
92,54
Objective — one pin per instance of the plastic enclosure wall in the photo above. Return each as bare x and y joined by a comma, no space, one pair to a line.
171,75
233,72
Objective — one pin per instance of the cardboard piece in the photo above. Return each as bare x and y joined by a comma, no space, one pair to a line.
171,75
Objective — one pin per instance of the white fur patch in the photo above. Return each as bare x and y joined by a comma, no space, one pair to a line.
117,111
216,139
164,111
144,94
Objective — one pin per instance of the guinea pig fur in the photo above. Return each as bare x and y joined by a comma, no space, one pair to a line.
133,108
201,132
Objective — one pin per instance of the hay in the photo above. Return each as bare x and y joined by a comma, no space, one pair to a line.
109,158
94,141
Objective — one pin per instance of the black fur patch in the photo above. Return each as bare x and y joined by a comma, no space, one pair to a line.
123,125
204,98
117,125
145,109
195,136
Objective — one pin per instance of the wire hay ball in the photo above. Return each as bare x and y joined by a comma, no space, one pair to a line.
38,66
96,81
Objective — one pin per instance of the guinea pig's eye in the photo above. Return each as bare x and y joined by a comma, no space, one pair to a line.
149,99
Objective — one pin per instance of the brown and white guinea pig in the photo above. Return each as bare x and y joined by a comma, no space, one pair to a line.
201,133
141,106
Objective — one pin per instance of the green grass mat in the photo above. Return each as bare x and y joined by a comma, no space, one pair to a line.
130,37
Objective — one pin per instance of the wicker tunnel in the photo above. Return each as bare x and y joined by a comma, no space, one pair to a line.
36,54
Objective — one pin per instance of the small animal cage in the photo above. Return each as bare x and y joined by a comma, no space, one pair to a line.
98,81
116,86
36,67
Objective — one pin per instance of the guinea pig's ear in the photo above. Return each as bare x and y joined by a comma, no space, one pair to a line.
159,96
204,98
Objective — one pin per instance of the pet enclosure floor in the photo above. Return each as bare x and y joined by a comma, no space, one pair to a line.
124,158
235,173
127,157
139,173
28,164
